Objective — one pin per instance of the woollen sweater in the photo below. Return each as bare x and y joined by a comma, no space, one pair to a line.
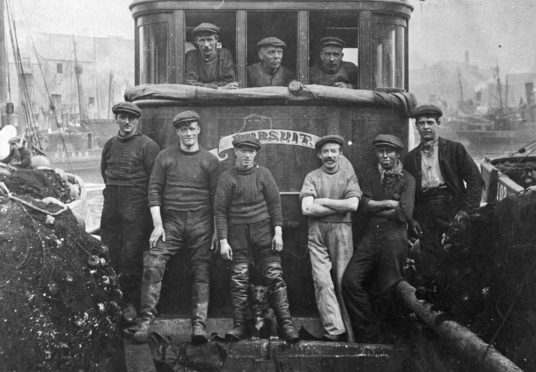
245,197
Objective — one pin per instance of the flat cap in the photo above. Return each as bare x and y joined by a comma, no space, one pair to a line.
332,138
14,140
430,110
331,40
388,140
185,117
244,140
271,41
209,28
127,107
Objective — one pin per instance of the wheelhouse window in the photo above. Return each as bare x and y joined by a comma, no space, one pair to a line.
389,60
225,20
153,52
282,25
342,25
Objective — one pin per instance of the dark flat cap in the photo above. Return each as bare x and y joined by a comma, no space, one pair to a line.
249,141
271,41
13,140
330,40
209,28
388,140
127,107
332,138
185,117
427,110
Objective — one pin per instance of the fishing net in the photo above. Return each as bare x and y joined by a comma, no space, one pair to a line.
59,297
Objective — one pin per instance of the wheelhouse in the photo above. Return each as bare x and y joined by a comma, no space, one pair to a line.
375,33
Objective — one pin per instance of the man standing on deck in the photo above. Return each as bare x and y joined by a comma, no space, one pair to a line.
328,196
209,65
126,165
332,70
19,156
376,266
448,188
181,196
268,71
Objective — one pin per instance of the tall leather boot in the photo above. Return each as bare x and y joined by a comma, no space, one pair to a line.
273,276
200,296
151,284
239,300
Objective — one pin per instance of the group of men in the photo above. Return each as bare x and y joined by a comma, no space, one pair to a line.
211,66
195,206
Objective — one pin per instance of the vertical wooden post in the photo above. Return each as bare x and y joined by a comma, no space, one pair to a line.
241,46
303,47
178,44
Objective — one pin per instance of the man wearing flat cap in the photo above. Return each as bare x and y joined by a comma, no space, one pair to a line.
269,71
181,199
19,156
329,196
332,70
376,265
209,65
126,164
448,187
249,223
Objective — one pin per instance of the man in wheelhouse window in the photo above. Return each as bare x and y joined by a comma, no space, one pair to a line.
209,65
331,70
268,71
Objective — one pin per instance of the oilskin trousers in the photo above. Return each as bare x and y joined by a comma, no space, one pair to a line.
125,228
251,243
376,266
190,230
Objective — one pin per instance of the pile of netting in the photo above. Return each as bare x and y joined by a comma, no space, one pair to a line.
521,172
488,276
59,297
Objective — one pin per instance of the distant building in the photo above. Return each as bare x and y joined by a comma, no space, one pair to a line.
106,70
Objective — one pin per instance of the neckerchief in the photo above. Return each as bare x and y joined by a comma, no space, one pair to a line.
387,177
428,147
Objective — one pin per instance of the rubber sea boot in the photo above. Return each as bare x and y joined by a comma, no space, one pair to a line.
239,300
151,284
200,297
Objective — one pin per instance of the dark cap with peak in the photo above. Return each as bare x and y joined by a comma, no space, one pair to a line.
245,140
271,41
208,28
128,107
388,140
332,138
427,110
331,40
185,117
13,140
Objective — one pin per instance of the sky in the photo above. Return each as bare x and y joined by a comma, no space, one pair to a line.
492,31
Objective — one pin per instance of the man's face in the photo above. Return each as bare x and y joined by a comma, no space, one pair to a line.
271,56
188,134
206,43
245,157
428,127
387,156
330,154
127,123
331,58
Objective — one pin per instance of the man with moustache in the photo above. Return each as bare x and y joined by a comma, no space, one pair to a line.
126,164
448,188
332,70
181,196
268,71
377,263
209,65
249,224
329,195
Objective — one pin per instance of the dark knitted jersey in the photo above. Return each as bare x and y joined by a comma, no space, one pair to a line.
183,181
244,197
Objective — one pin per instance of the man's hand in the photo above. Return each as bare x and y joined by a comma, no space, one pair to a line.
233,85
392,204
460,216
340,84
158,232
214,244
295,87
415,228
277,242
225,250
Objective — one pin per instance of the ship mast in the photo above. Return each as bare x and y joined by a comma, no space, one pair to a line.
78,72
